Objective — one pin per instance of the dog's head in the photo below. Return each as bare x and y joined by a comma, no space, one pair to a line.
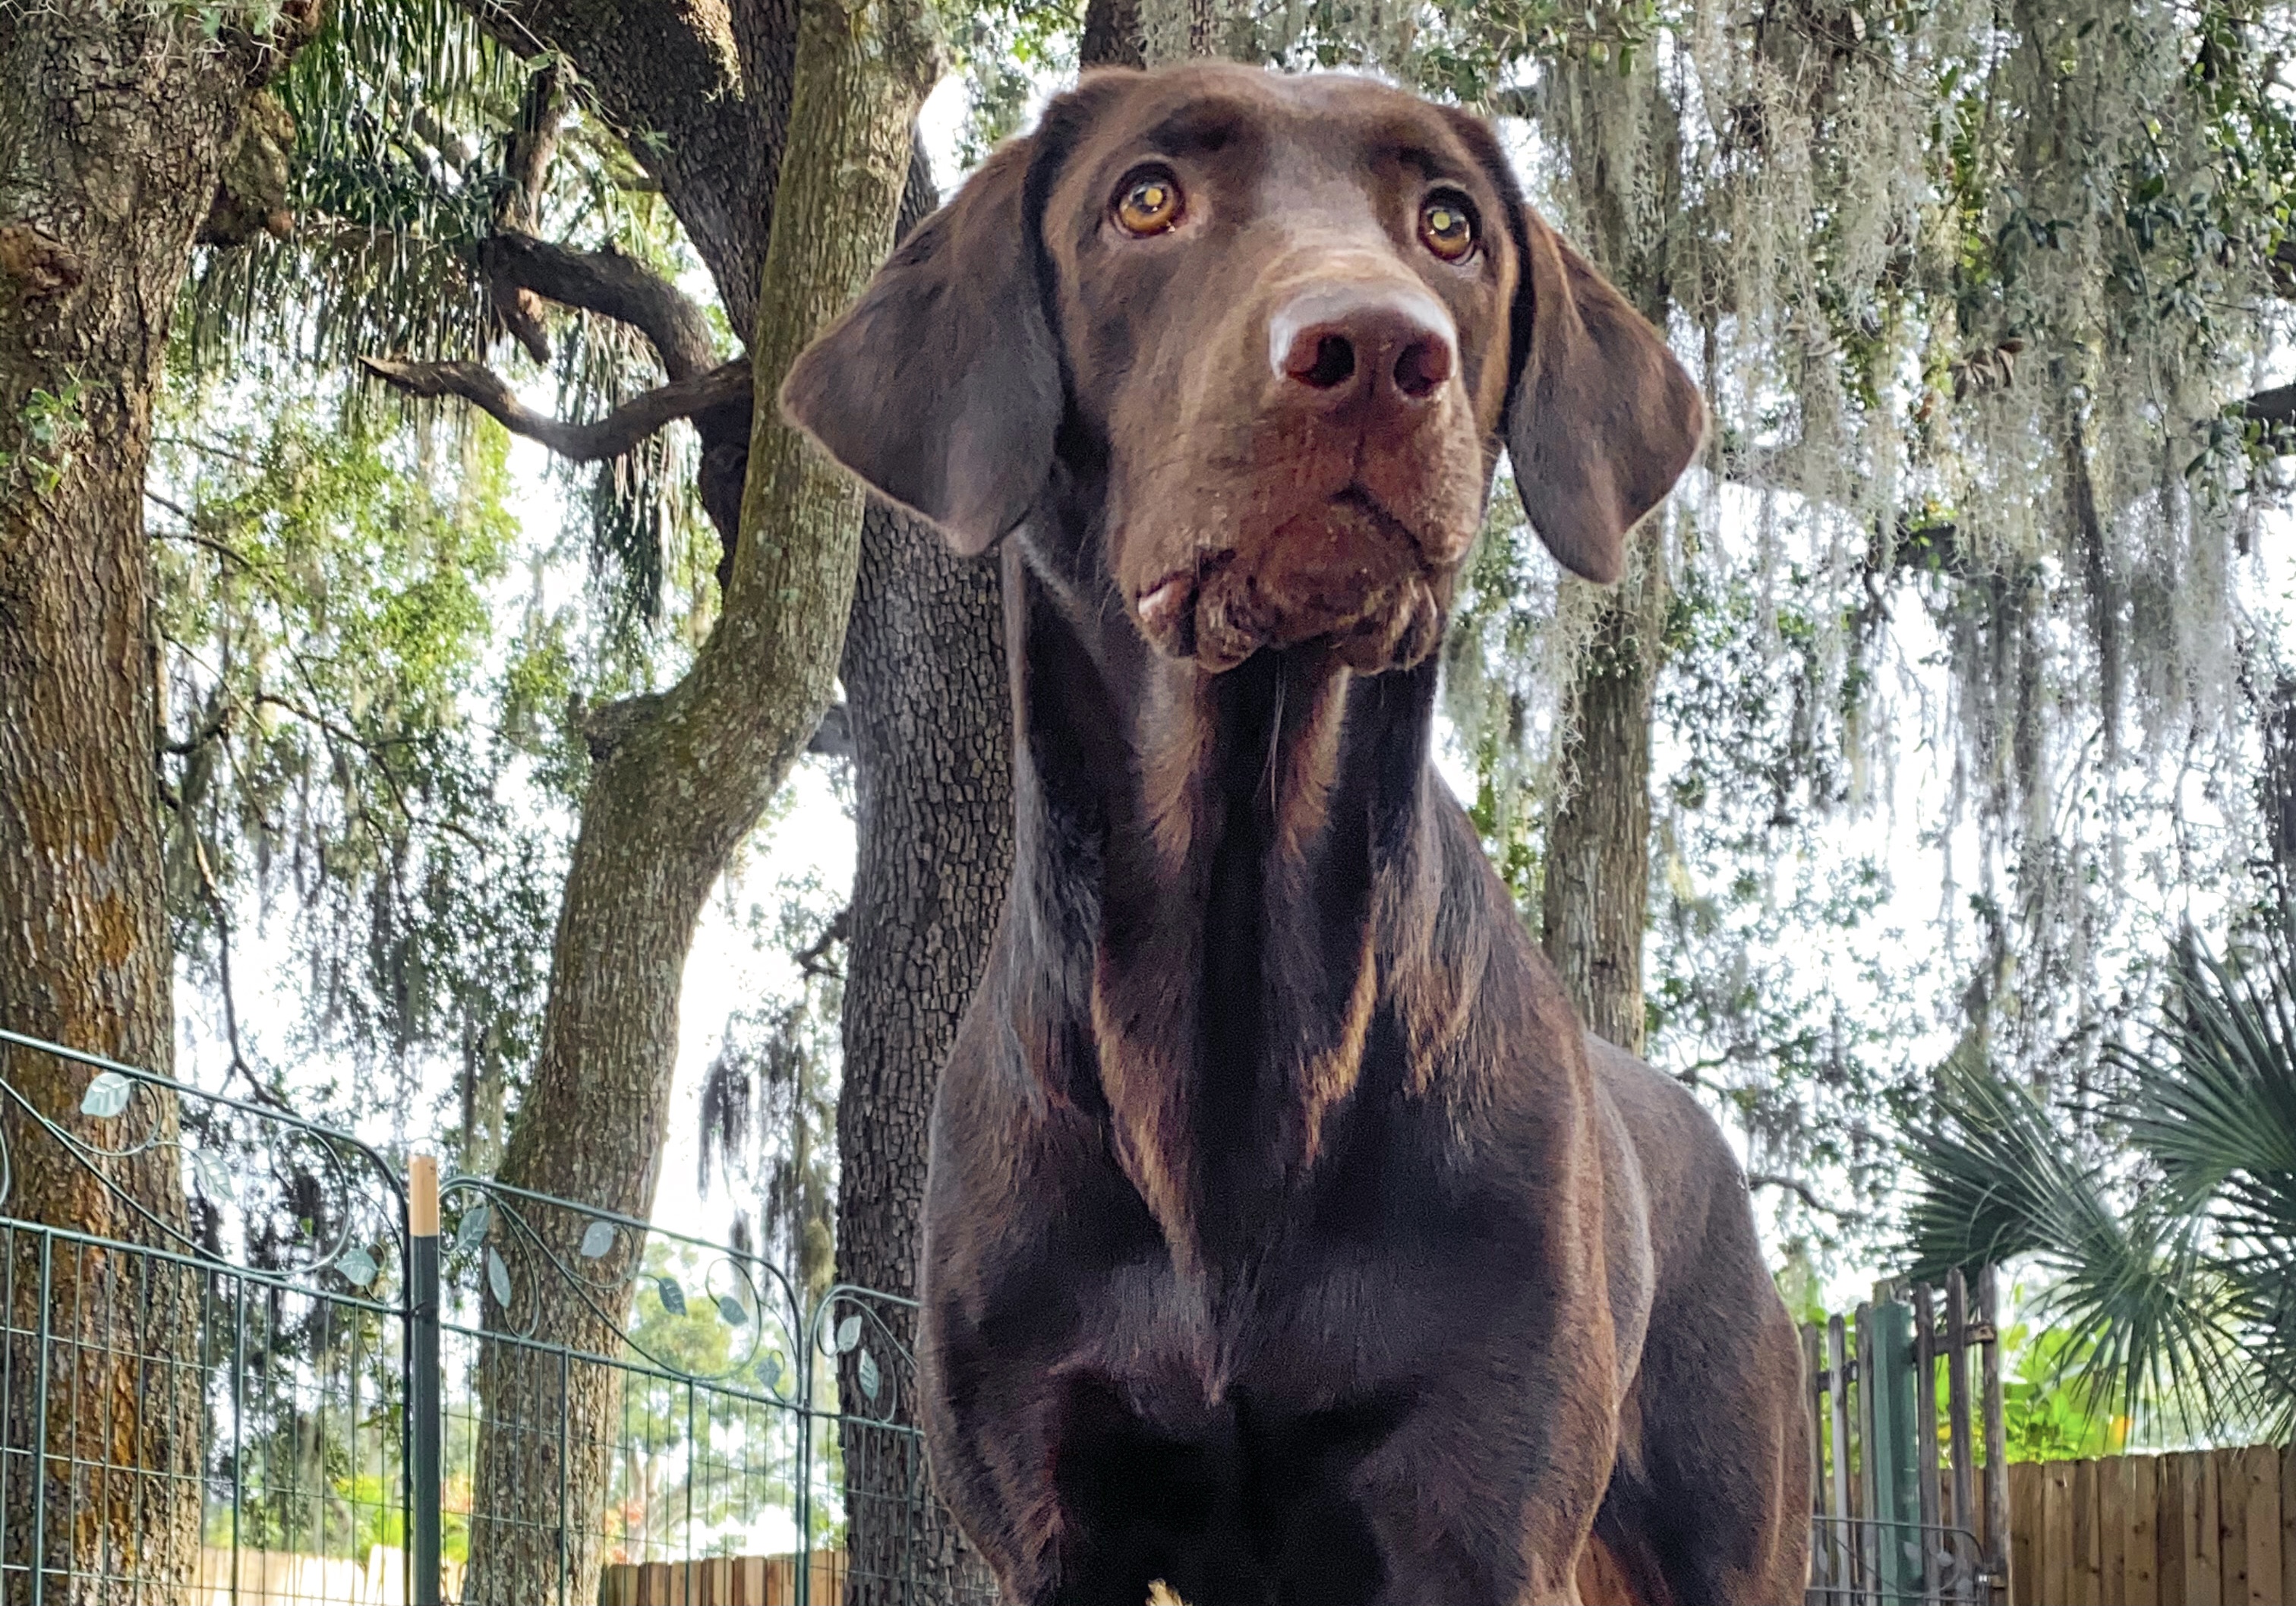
1280,327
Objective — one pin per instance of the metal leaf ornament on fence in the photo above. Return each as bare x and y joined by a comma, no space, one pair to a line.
730,1311
597,1240
207,1165
498,1278
107,1096
848,1333
472,1228
358,1268
673,1298
870,1378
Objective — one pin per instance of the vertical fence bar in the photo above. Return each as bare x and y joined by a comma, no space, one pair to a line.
238,1424
804,1367
565,1411
1813,1406
13,1236
1845,1528
1870,1479
1895,1408
1956,1401
1925,1440
1996,1431
40,1424
423,1424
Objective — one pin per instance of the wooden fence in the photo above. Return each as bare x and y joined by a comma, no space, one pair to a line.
722,1581
2209,1527
1905,1510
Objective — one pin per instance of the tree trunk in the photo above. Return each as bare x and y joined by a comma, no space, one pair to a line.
925,676
1595,898
116,116
688,779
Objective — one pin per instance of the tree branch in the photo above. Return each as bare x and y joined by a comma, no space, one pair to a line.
611,284
814,960
2275,409
518,204
833,737
1800,1189
699,116
611,436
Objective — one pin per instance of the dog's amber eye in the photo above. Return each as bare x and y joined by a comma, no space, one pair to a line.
1149,203
1446,228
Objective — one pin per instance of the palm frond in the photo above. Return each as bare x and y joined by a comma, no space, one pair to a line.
1999,1180
2213,1096
2211,1099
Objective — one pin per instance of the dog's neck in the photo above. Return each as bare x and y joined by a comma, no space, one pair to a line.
1211,898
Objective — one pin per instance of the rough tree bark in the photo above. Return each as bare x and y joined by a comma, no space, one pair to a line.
1593,901
924,676
685,780
1594,897
117,117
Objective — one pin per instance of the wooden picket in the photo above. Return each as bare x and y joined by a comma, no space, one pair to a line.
2194,1527
721,1581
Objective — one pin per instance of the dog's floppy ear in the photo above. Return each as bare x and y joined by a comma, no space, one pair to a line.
939,387
1601,420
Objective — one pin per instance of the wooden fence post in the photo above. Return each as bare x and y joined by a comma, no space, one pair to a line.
1996,1428
2141,1543
2087,1552
1813,1406
2260,1502
2023,1486
1956,1401
2288,1523
1845,1544
1925,1440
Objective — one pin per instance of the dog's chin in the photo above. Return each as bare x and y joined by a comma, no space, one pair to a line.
1348,581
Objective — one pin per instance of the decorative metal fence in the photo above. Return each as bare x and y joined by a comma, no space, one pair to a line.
263,1367
1907,1510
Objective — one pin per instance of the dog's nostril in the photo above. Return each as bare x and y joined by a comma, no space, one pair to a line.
1422,369
1334,362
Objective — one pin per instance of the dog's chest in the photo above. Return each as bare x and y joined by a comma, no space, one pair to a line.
1322,1308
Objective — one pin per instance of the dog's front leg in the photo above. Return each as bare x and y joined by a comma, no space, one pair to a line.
1487,1497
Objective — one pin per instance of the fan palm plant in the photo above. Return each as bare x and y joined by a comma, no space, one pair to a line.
2167,1240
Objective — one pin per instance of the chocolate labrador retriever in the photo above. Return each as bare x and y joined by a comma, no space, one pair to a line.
1287,1238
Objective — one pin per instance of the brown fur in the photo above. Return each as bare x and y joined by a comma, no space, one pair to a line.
1288,1239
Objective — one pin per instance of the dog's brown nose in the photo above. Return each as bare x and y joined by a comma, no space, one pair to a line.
1393,345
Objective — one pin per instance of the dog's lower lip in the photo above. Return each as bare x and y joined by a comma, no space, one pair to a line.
1162,599
1370,506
